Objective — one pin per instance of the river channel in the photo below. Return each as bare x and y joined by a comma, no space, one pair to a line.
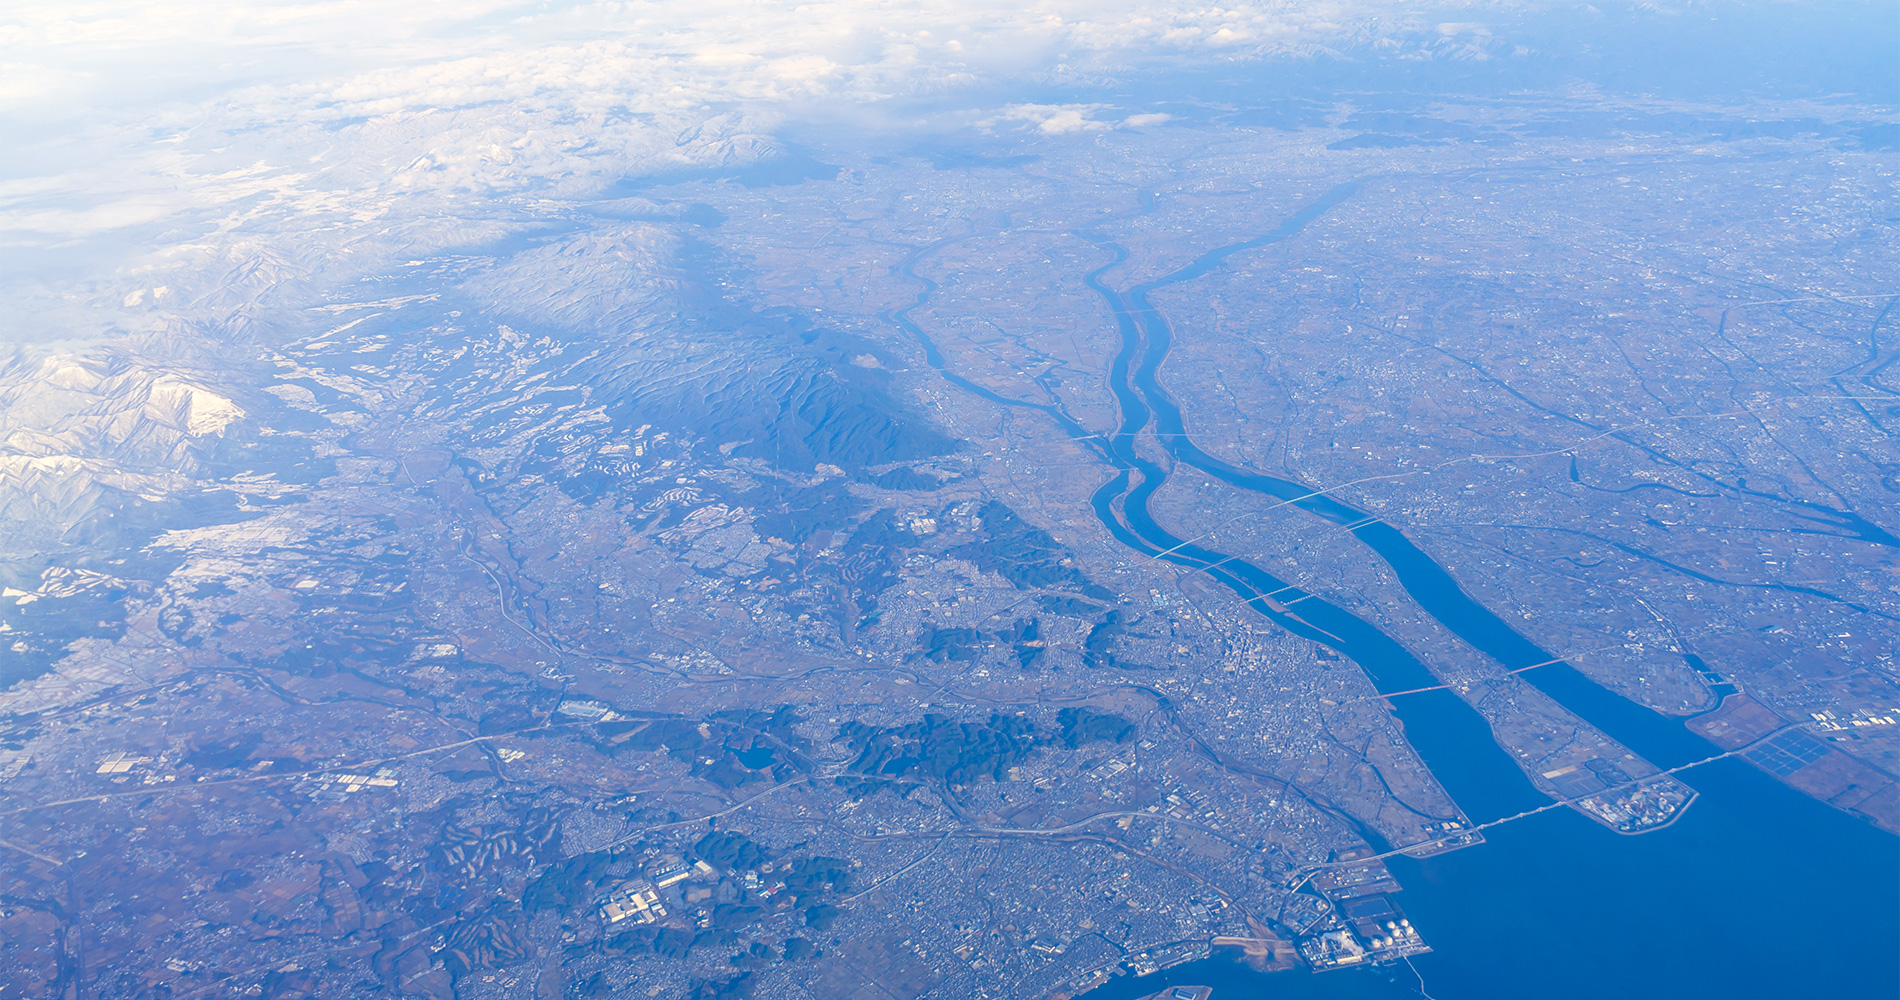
1758,891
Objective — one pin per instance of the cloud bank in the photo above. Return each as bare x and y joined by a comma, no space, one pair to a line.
347,108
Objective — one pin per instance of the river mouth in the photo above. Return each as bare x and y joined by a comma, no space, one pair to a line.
1733,899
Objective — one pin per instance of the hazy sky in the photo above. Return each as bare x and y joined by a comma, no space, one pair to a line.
140,131
114,100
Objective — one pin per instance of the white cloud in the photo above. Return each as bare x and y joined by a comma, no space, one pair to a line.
207,117
713,50
1055,119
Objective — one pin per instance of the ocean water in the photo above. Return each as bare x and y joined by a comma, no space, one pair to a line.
1758,891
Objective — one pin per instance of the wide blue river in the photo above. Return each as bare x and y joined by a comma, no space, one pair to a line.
1758,891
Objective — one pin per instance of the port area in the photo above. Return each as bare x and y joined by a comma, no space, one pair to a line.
1154,960
1166,957
1180,993
1353,919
